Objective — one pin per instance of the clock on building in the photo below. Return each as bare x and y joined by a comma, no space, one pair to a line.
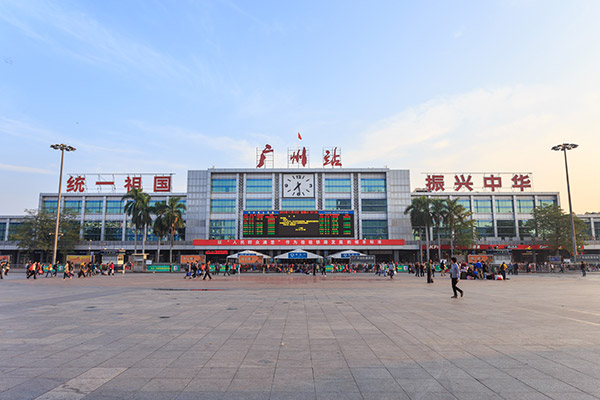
298,185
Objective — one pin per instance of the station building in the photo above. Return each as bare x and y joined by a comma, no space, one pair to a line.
274,210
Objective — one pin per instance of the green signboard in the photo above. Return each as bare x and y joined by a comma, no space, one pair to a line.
162,268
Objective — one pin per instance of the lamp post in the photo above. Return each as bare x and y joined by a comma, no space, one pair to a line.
62,148
564,147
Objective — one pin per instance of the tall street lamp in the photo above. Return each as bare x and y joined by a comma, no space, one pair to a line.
564,147
62,148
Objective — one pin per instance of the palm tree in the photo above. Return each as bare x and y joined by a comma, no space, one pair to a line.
159,227
173,217
455,215
420,216
438,215
138,208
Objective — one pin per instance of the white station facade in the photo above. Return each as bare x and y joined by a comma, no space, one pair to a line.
323,210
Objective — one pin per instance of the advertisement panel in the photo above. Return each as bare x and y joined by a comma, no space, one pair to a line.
473,258
190,258
162,268
252,259
79,259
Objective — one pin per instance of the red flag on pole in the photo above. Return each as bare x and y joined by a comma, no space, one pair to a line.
299,137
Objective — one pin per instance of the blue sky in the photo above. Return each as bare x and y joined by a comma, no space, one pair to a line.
168,86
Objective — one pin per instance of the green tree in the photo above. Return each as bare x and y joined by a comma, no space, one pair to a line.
420,216
550,223
438,217
459,223
138,208
160,226
36,233
173,216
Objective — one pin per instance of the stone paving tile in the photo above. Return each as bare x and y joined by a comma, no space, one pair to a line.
293,338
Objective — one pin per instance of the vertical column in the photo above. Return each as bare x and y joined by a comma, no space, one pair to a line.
514,207
494,221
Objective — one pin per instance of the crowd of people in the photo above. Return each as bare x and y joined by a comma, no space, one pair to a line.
83,270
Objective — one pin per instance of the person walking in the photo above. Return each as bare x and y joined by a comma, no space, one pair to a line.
583,273
455,276
429,272
207,272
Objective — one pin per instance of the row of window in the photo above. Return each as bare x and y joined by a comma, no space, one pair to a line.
92,206
265,185
227,206
226,229
503,206
92,230
485,228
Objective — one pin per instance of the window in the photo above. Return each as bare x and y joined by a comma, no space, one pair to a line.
92,230
525,206
484,228
524,229
115,207
587,231
113,231
506,228
546,202
372,185
504,206
483,206
338,204
73,205
50,206
596,229
374,229
2,231
374,205
223,185
297,204
130,232
262,185
184,202
259,204
222,229
466,203
222,206
337,185
93,207
12,229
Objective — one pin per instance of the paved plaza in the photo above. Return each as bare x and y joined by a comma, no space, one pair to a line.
255,336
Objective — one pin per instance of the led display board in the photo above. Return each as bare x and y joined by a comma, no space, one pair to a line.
292,224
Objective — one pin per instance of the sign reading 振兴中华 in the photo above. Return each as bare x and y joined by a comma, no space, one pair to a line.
102,183
468,182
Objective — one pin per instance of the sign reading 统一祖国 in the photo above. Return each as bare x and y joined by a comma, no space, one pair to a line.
103,183
478,181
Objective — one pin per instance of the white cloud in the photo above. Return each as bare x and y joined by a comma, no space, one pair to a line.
508,129
18,168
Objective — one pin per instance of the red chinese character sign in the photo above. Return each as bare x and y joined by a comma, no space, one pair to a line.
478,181
462,182
332,156
521,182
298,157
76,184
492,182
435,183
265,157
162,184
135,182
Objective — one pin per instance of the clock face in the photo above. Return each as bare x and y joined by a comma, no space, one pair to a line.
298,185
